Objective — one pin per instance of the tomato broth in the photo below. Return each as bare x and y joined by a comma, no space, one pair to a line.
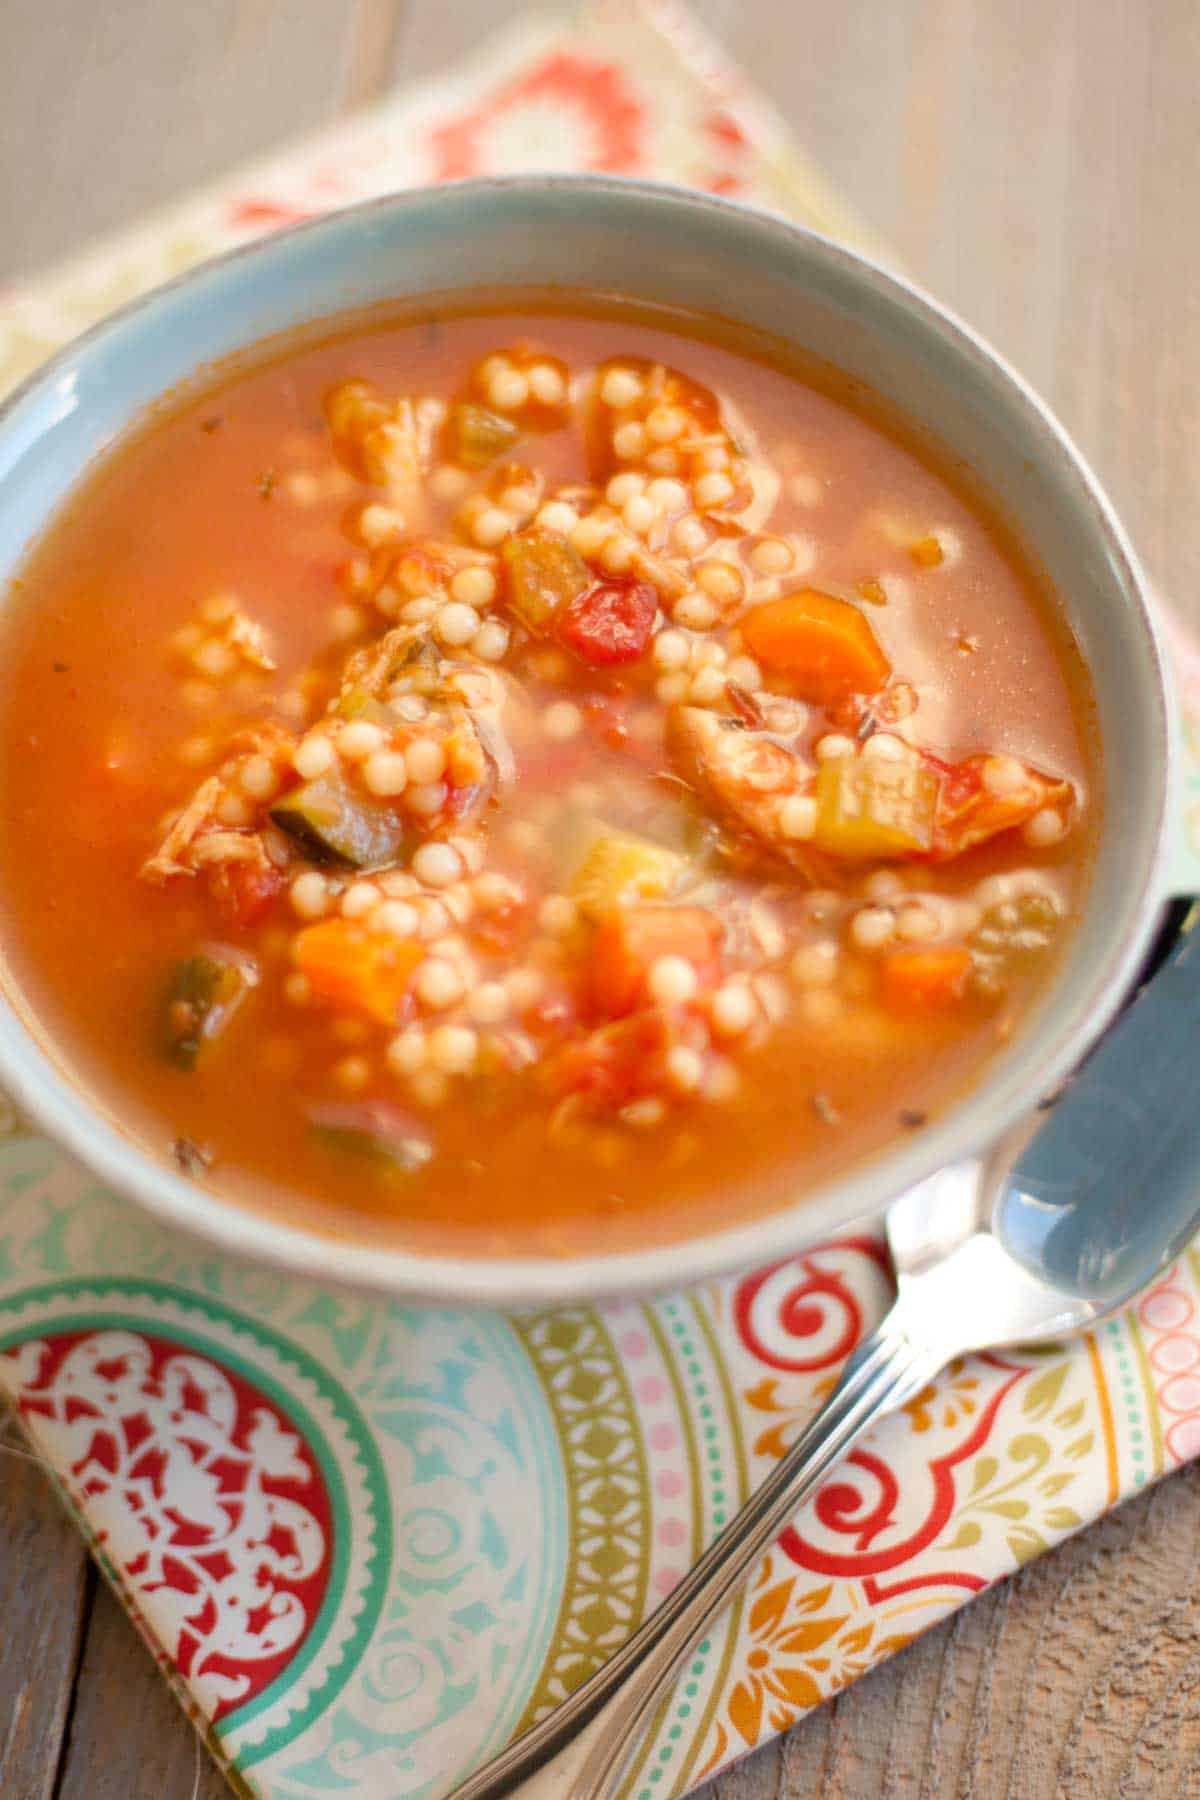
518,778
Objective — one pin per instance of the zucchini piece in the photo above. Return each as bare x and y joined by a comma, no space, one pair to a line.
543,573
332,823
375,1131
357,703
478,436
205,992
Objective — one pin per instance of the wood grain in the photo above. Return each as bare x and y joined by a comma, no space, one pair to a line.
45,1582
1035,165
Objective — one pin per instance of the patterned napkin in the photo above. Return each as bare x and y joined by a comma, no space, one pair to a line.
368,1544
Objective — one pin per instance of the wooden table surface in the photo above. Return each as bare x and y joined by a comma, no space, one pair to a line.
1036,164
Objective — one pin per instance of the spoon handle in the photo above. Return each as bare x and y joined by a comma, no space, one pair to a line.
887,1369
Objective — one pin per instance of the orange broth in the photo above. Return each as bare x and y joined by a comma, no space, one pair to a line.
564,1110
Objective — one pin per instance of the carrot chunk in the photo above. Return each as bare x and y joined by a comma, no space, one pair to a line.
355,970
925,981
633,937
823,645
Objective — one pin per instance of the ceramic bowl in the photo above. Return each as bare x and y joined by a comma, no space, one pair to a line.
662,245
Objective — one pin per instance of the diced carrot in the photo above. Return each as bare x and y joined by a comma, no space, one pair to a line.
925,981
823,645
356,970
633,937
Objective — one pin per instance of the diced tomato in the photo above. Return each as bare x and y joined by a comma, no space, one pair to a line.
633,937
611,623
244,892
615,1064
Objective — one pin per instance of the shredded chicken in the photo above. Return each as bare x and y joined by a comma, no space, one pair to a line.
250,640
748,774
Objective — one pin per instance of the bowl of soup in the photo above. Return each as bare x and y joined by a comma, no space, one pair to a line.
558,736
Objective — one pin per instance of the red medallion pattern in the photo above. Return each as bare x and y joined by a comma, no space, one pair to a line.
198,1489
584,100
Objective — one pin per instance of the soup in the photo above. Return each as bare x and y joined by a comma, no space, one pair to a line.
533,778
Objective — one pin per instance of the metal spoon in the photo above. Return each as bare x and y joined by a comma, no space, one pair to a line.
1063,1223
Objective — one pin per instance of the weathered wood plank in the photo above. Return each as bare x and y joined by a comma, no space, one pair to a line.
44,1582
106,111
128,1738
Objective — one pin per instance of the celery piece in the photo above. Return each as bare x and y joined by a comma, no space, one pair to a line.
868,808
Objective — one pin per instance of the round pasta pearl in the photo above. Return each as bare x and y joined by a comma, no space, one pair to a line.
474,586
833,744
385,772
352,1073
667,494
773,556
358,739
814,965
547,385
416,612
258,778
616,554
346,620
437,984
629,440
508,390
489,1003
696,611
685,1068
917,924
437,865
664,424
707,686
713,489
448,483
491,641
620,388
639,513
425,760
491,527
1045,828
456,623
733,1009
360,898
313,756
623,487
744,672
873,927
397,918
689,535
408,1051
562,720
558,914
673,688
1003,775
453,1049
309,895
672,980
882,746
672,650
215,658
556,515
